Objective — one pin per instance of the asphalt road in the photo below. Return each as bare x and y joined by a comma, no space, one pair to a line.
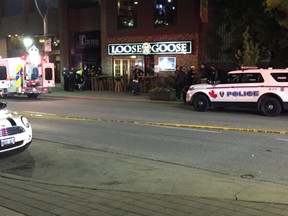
117,157
170,133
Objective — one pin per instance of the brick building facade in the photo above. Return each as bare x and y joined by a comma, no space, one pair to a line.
186,28
76,30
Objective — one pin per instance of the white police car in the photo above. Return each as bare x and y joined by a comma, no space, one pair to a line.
15,132
263,89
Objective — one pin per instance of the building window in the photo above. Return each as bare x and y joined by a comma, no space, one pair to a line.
165,12
127,13
12,7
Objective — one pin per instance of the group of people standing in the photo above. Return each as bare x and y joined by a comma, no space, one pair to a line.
184,80
73,79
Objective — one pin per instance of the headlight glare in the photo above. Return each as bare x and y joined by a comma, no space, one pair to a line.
25,121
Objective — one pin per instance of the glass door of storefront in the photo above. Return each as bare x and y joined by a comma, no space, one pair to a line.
124,67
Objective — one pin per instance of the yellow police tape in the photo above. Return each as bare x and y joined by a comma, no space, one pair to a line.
159,124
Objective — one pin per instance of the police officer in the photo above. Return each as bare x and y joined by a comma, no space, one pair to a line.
190,79
65,74
179,80
79,72
213,74
80,79
71,79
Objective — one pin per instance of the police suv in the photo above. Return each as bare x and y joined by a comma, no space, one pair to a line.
263,89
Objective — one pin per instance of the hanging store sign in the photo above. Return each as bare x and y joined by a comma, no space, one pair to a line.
175,47
47,45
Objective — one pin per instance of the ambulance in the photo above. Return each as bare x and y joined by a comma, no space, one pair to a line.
26,76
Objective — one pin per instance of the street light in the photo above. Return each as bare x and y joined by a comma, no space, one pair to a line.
27,42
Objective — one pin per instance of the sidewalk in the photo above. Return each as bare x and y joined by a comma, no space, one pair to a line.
85,182
103,95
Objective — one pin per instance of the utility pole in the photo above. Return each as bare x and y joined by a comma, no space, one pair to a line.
47,43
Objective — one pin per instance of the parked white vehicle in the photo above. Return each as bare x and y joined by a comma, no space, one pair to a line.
263,89
15,132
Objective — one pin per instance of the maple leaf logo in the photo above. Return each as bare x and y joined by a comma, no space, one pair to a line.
213,94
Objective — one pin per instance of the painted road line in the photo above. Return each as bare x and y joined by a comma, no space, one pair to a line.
218,128
40,113
160,124
190,129
286,140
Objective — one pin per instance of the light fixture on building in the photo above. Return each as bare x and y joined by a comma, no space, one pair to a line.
56,42
41,40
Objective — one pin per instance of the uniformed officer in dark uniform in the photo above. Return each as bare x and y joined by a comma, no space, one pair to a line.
71,80
65,74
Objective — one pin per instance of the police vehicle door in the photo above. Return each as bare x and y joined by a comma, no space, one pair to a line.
250,87
225,92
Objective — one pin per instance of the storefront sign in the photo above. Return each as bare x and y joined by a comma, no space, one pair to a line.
175,47
84,41
87,40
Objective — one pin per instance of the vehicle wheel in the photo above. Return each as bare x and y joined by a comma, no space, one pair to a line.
200,103
32,95
270,106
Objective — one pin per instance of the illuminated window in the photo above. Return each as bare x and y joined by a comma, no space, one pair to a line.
127,13
165,12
